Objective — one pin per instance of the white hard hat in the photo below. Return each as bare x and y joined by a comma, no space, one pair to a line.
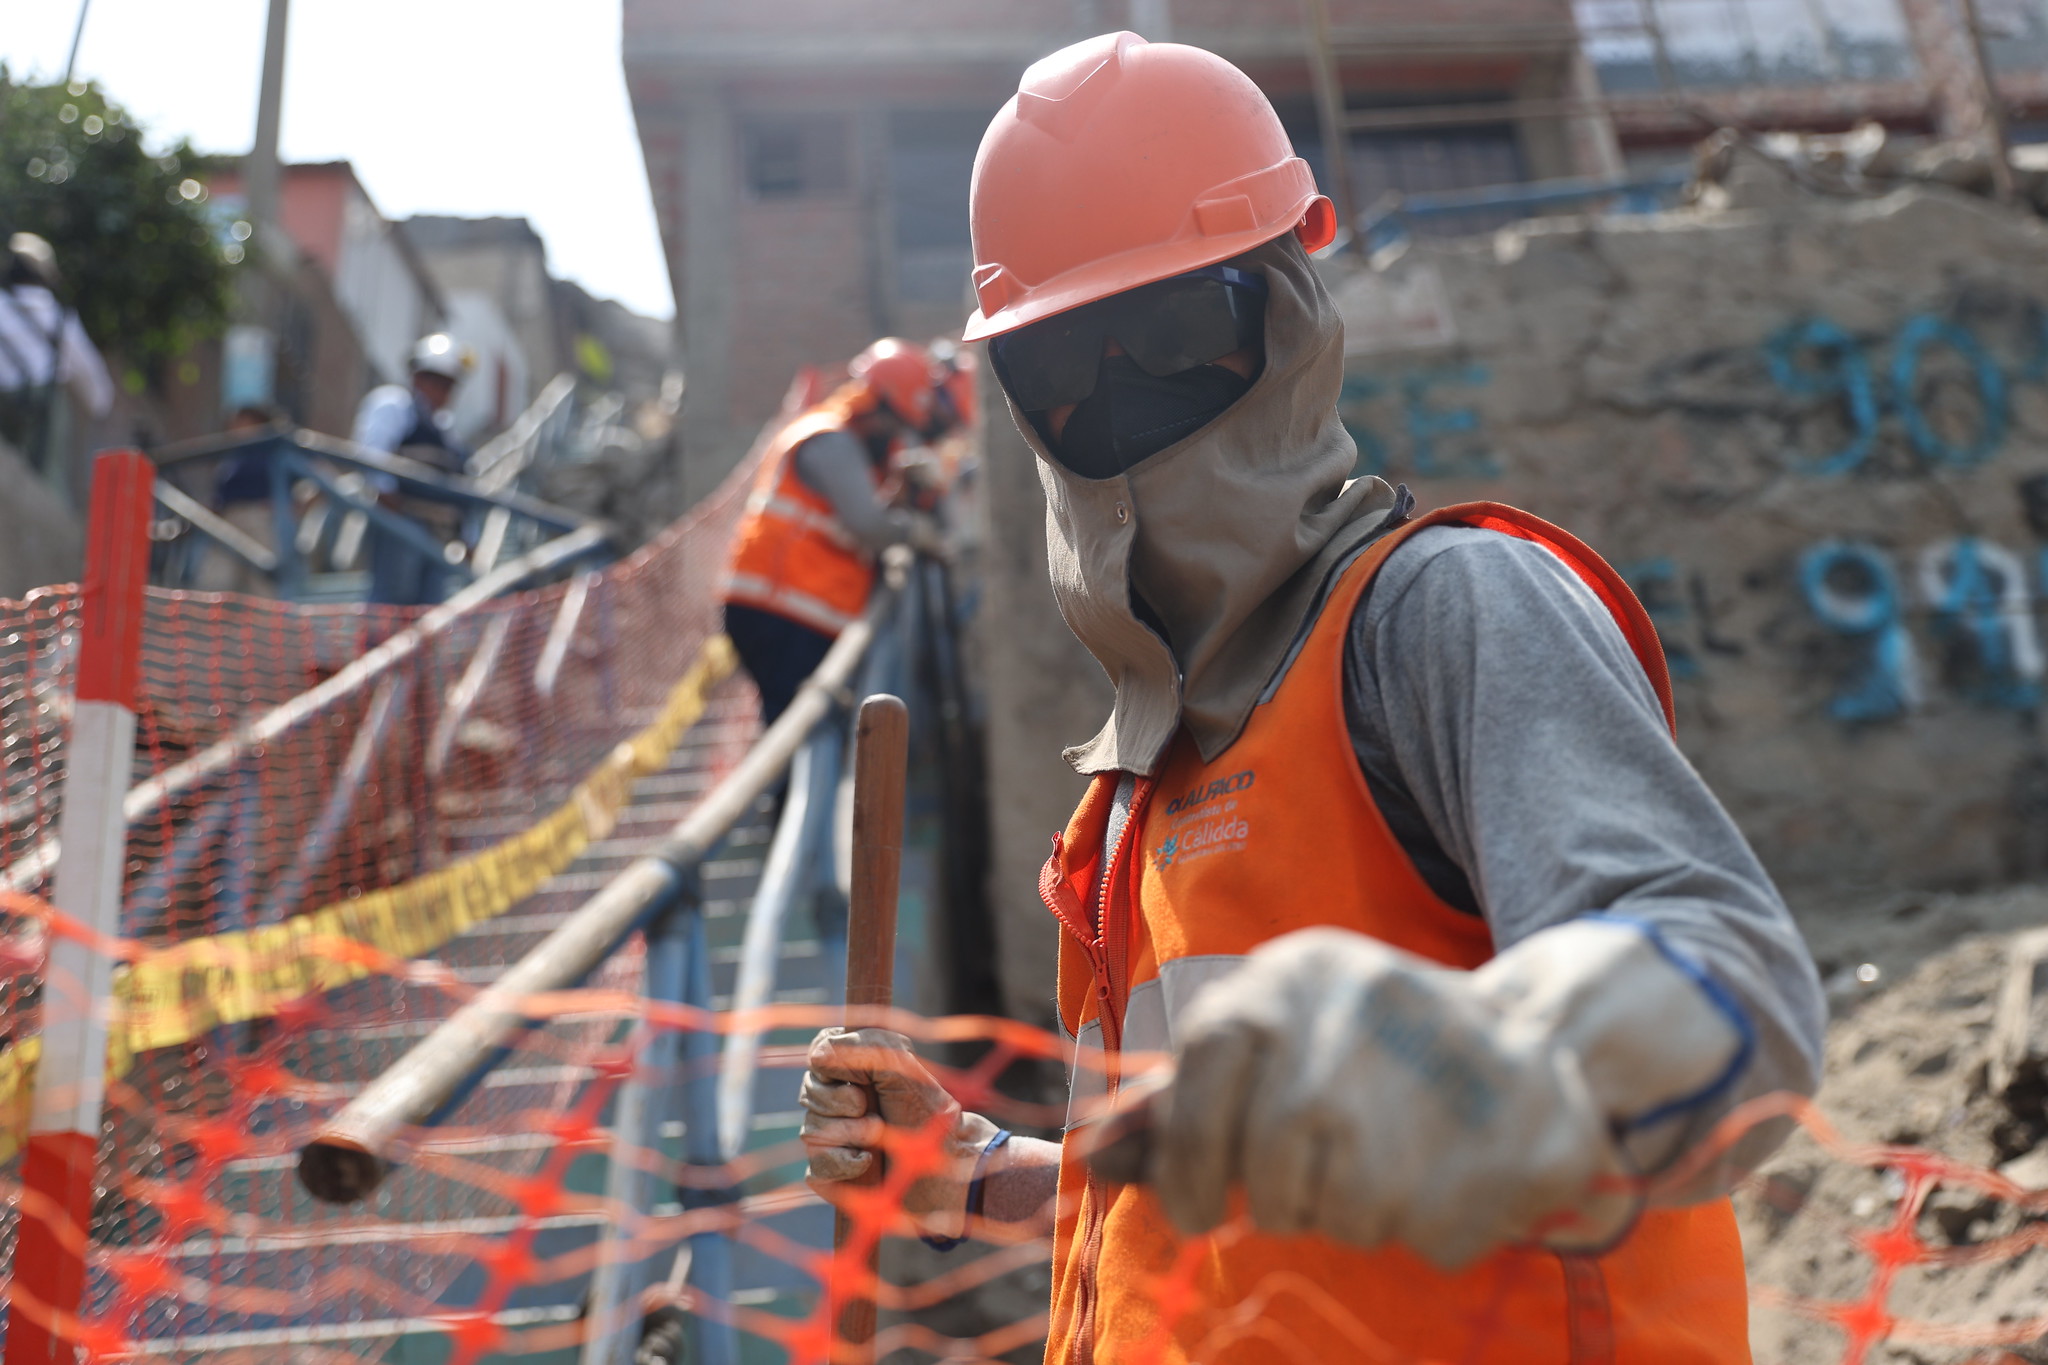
443,355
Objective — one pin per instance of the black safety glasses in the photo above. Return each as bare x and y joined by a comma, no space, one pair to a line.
1165,327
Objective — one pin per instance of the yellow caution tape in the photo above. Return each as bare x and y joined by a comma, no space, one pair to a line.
174,994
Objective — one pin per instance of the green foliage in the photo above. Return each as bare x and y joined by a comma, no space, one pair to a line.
143,261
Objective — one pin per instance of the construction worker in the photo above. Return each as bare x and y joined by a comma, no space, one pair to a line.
804,557
412,420
1388,845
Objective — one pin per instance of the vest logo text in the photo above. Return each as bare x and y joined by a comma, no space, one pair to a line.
1202,796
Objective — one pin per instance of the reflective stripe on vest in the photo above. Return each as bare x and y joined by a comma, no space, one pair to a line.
1277,833
790,554
784,600
805,518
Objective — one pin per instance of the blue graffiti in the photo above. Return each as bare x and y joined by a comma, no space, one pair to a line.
1654,581
1845,372
1889,686
1976,595
1817,358
1919,333
1426,426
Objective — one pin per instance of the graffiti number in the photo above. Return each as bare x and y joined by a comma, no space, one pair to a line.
1915,337
1979,592
1851,589
1842,371
1426,424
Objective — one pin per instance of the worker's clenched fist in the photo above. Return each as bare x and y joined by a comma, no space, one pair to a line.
860,1085
1354,1090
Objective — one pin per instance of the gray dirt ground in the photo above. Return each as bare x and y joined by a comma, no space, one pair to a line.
1906,1060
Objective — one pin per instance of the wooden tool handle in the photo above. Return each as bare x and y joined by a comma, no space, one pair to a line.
881,752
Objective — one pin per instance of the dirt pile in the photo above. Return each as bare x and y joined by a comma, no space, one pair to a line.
1915,987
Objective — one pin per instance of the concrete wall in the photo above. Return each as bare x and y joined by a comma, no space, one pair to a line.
1814,433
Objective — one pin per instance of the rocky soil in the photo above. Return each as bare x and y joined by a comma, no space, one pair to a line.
1914,985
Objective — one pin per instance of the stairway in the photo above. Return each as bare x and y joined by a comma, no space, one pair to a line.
404,1237
413,1236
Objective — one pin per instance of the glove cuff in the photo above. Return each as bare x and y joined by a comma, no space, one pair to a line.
1657,1040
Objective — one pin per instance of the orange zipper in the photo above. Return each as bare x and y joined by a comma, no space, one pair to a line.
1104,939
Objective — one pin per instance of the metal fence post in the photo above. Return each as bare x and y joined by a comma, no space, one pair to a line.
710,1250
673,1076
793,868
64,1128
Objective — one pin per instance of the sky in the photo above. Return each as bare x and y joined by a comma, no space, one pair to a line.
469,107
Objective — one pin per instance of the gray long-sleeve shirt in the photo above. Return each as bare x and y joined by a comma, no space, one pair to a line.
1521,758
837,466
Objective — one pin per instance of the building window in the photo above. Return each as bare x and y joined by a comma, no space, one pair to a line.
795,157
931,162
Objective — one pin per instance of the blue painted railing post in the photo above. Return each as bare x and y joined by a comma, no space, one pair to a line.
710,1250
674,1076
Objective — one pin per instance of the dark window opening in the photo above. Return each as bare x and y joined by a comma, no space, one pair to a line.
931,161
795,157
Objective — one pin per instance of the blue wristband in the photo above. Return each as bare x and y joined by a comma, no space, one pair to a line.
975,1193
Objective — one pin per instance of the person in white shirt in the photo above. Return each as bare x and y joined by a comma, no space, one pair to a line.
397,419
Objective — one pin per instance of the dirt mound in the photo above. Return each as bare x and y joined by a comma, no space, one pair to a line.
1914,987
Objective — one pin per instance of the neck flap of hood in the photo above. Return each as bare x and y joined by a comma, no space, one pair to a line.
1228,537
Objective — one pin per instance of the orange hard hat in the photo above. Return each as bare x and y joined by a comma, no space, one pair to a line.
900,374
1120,162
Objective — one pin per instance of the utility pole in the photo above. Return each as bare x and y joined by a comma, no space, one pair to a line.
77,34
1336,132
260,176
42,438
250,349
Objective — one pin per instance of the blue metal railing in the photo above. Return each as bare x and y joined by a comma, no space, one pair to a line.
1393,218
446,527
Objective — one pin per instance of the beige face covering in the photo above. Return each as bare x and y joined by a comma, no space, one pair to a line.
1229,537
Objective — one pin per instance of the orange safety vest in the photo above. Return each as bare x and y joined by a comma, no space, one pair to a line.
1279,833
791,556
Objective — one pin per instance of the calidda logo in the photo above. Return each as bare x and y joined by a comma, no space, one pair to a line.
1222,834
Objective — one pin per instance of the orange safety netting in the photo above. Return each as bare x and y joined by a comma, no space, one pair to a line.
438,817
205,1245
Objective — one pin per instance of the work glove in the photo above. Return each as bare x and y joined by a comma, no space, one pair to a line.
1357,1091
928,537
863,1082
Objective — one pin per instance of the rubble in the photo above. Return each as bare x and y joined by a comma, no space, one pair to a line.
2019,1032
1910,1061
1867,160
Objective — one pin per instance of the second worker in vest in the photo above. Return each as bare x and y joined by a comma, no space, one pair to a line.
803,560
1388,844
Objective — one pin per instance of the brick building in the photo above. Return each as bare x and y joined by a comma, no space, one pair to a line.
810,158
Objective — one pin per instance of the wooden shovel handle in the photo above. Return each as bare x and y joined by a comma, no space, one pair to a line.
881,750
